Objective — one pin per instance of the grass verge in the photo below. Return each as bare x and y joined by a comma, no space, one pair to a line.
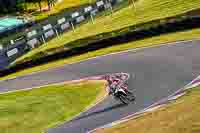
60,10
37,109
59,7
186,35
182,116
145,11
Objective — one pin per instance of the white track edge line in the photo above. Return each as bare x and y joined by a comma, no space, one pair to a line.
100,56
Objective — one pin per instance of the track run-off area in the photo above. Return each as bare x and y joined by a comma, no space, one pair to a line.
155,73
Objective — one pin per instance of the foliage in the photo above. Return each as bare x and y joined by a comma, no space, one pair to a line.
10,6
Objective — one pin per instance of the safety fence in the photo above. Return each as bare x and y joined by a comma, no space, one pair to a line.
34,37
135,32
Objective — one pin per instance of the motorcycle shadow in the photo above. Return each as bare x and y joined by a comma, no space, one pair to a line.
100,111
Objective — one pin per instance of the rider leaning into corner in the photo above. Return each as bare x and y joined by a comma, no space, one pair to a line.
118,88
117,81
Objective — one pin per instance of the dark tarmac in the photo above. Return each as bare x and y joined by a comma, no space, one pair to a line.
158,72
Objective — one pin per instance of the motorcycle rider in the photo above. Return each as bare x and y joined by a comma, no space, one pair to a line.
117,82
113,83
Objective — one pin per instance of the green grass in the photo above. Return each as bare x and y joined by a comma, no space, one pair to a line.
33,111
54,14
59,7
186,35
181,116
146,10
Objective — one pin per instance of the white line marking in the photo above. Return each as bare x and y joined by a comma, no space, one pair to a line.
92,58
149,108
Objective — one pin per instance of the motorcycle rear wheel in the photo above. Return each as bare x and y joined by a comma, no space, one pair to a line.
124,99
130,96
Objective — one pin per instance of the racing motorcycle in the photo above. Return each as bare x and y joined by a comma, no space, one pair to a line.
119,88
124,95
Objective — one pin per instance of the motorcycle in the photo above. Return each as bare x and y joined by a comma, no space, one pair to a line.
121,92
124,95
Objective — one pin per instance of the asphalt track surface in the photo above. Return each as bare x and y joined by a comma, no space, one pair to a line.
158,71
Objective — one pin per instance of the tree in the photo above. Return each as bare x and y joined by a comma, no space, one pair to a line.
36,1
7,6
20,5
51,3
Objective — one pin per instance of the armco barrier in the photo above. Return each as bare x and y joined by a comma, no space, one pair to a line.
107,39
46,31
12,52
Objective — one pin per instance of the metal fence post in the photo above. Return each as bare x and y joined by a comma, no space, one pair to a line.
43,39
56,32
92,18
72,26
111,8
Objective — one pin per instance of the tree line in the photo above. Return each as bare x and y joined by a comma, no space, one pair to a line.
10,6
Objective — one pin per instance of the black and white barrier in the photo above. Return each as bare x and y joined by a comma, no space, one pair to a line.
48,31
12,52
88,9
94,12
17,49
75,14
63,25
32,39
107,6
80,19
100,5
